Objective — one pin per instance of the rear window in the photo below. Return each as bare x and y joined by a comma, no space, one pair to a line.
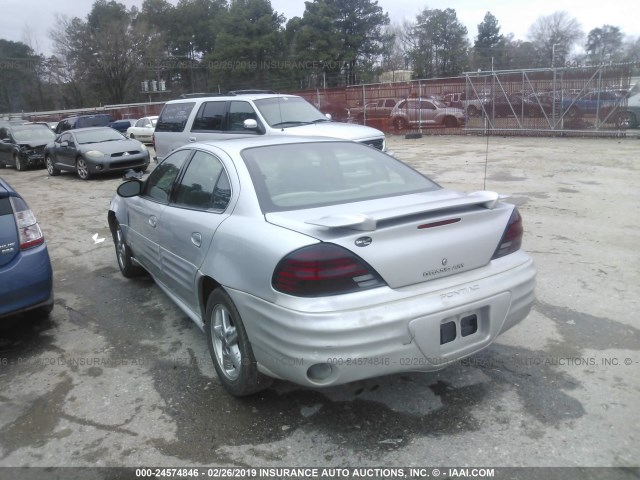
295,176
94,121
174,116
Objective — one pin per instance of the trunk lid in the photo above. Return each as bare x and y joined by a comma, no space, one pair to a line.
410,239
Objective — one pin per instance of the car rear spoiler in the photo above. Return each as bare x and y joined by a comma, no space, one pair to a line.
369,222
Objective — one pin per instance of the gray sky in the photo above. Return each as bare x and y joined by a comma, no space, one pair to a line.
514,16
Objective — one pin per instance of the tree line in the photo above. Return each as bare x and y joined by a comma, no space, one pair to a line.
116,52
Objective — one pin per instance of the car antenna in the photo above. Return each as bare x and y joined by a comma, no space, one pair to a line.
486,157
280,112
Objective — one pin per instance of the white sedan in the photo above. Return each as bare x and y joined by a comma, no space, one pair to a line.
143,129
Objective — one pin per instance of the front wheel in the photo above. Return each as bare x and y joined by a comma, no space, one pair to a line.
82,167
123,253
20,165
230,348
51,168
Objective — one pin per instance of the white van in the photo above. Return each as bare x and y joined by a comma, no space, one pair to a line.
223,117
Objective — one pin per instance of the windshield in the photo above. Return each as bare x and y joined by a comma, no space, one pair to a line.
32,133
289,112
98,135
296,176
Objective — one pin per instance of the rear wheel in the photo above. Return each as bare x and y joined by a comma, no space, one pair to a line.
125,259
400,123
51,168
82,167
230,348
450,122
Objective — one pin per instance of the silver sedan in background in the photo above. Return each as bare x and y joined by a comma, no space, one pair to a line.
322,261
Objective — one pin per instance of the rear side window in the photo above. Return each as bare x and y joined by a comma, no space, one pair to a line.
174,117
210,117
5,207
205,184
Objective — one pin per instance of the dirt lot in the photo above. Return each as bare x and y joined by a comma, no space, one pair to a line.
118,376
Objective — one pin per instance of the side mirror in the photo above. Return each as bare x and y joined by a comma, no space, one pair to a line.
250,124
64,144
328,115
130,188
6,140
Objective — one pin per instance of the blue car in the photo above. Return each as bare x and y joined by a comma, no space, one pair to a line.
26,277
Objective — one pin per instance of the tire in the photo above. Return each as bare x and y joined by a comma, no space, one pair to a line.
230,348
82,168
399,123
43,312
132,136
626,120
123,254
51,168
450,122
573,112
20,166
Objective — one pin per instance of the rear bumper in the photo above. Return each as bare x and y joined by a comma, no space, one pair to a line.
390,335
27,282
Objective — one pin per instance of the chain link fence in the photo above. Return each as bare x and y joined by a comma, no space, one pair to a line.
553,101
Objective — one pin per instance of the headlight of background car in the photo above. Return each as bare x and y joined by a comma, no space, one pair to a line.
94,154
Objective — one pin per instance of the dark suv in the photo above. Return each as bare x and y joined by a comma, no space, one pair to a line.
82,121
22,145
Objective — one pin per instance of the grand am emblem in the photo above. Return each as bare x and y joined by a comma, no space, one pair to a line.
363,241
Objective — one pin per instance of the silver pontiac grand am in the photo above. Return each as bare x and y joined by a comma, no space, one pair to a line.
322,261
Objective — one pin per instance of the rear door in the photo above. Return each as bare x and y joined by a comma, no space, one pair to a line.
188,224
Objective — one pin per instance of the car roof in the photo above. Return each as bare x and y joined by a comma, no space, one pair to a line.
86,129
234,97
236,145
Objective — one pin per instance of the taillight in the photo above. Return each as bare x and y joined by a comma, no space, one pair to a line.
512,236
323,269
28,229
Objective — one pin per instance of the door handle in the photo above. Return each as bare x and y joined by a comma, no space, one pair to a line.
196,239
153,221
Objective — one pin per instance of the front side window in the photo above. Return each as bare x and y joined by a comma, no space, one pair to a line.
205,184
238,113
159,184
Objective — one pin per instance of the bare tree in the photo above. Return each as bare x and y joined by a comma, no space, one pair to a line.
554,37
